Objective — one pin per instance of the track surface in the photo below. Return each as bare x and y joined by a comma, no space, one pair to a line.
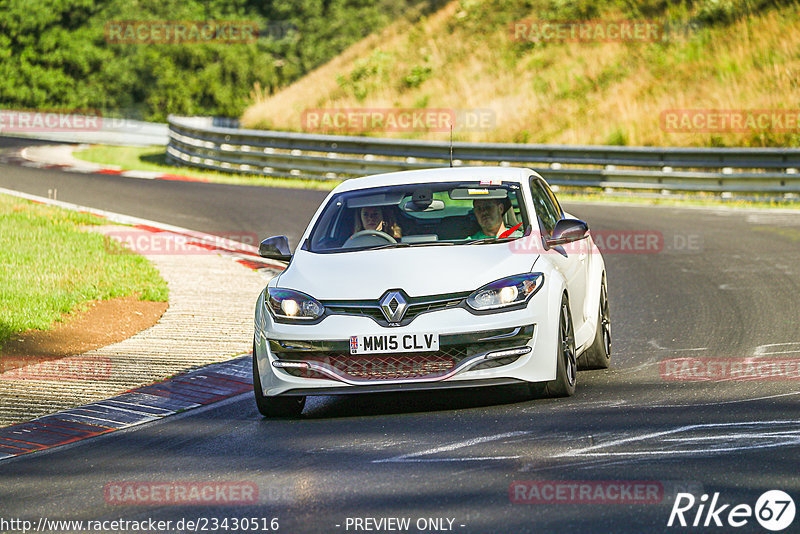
725,285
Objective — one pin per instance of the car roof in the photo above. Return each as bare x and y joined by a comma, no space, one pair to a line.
443,174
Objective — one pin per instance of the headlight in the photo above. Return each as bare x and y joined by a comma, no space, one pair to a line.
293,305
506,292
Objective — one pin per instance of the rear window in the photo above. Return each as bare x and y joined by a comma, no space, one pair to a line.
419,214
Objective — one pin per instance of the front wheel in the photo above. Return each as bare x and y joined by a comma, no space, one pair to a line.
274,406
598,356
566,365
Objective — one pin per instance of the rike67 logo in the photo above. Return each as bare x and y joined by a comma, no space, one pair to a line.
774,510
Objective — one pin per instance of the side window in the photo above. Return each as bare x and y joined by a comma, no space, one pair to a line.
544,204
559,211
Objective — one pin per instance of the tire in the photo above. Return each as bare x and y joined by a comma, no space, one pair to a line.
598,355
566,365
274,406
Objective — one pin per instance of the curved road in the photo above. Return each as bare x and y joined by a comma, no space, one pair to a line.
723,284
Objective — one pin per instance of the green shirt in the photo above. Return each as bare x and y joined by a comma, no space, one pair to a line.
480,235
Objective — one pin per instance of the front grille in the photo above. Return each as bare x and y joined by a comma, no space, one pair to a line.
381,366
374,313
392,366
416,307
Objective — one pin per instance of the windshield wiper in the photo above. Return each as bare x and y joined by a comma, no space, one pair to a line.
485,240
430,243
404,245
387,245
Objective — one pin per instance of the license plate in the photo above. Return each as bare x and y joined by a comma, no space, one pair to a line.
377,344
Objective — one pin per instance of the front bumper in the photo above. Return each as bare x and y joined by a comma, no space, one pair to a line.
458,353
506,347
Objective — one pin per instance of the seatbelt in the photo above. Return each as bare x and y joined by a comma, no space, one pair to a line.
509,231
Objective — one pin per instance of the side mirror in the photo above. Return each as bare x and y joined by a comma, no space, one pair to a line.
275,248
567,231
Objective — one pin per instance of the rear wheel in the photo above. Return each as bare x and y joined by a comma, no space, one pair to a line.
598,356
274,406
566,365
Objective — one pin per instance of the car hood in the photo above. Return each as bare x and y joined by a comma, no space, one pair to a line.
418,271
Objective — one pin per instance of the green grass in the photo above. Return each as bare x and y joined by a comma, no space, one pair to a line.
677,199
155,159
52,266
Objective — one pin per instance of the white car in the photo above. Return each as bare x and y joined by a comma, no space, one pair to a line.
431,279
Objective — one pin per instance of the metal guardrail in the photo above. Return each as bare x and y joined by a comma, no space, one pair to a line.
203,142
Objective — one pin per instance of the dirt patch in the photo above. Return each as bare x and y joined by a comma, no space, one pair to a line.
104,322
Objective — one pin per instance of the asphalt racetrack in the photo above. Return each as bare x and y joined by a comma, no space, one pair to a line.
719,285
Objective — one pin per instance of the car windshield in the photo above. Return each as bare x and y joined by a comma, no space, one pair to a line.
457,213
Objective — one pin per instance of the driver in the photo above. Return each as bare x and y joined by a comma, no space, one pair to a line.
489,213
376,218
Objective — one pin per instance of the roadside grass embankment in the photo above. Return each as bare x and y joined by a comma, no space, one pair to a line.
52,266
713,55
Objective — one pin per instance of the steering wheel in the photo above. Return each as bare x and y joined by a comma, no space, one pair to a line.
365,235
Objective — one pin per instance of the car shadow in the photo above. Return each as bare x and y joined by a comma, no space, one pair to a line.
337,406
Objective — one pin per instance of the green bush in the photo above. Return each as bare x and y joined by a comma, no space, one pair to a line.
417,75
367,75
54,54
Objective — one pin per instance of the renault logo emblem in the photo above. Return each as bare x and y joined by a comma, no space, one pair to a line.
393,306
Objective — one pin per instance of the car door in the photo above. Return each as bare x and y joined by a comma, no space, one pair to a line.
570,259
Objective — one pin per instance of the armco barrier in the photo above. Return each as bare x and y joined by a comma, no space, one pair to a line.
201,142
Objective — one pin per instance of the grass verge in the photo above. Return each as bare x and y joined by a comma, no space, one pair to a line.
155,159
707,200
51,266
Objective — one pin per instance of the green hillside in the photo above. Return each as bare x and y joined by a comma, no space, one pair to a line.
55,55
734,55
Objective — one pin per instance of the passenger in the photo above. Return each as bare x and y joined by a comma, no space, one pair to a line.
489,213
377,218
